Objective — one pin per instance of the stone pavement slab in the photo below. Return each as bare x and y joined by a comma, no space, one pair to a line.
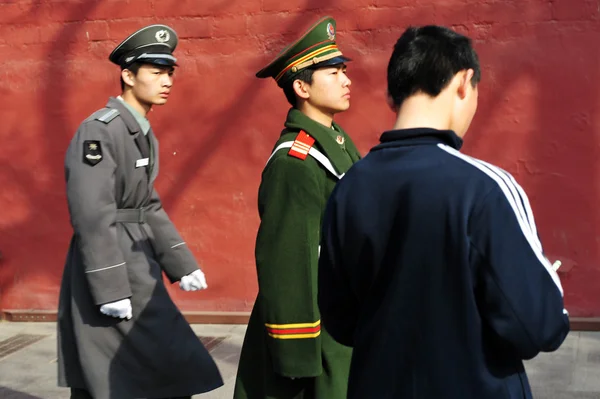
29,371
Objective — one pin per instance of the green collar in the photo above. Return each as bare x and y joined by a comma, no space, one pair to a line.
143,122
324,136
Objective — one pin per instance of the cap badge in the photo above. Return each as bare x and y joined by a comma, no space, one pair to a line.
162,36
330,31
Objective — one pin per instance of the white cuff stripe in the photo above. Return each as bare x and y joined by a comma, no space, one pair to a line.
105,268
526,229
178,245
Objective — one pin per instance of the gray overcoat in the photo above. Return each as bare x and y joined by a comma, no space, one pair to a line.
123,240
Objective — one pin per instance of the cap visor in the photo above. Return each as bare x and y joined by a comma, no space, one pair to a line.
334,61
158,61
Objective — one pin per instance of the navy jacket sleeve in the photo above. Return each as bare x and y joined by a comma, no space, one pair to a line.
519,293
337,301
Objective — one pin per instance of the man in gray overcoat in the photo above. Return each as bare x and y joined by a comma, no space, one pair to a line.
120,336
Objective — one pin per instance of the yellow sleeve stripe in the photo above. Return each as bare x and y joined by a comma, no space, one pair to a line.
297,325
295,336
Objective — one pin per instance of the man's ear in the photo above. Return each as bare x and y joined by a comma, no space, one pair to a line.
465,82
301,89
390,102
128,77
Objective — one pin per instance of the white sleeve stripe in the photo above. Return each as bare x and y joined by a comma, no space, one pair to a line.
527,204
517,195
509,191
525,229
105,268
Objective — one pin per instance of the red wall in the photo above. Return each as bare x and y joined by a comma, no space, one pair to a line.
538,118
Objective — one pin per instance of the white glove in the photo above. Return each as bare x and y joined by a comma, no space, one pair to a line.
556,265
193,281
120,309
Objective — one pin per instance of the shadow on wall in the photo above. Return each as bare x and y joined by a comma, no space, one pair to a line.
518,70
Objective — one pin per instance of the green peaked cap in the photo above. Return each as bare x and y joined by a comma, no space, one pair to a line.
315,48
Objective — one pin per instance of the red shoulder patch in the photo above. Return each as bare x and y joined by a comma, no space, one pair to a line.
301,146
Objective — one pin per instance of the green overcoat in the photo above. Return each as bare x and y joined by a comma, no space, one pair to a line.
286,353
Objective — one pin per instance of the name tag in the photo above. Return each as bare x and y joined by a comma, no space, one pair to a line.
141,162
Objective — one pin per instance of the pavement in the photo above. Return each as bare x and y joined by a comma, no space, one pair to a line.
28,363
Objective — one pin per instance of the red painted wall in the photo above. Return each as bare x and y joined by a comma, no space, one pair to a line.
538,118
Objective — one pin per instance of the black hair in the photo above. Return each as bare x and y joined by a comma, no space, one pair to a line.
425,59
305,75
134,68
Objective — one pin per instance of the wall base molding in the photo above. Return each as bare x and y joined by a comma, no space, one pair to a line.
191,317
577,323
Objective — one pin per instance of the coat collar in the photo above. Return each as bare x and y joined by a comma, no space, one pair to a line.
325,137
132,125
141,120
142,141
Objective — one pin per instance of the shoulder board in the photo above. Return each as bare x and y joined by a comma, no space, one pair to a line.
301,145
108,115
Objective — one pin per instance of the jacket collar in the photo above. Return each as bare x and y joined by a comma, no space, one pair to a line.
419,136
324,136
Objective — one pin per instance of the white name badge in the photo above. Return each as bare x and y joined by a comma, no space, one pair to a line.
141,162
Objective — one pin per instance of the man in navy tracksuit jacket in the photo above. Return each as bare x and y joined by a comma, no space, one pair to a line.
431,266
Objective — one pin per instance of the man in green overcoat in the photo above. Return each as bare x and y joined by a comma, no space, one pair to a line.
286,353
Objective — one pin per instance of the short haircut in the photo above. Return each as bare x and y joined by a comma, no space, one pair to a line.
305,75
134,68
425,59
